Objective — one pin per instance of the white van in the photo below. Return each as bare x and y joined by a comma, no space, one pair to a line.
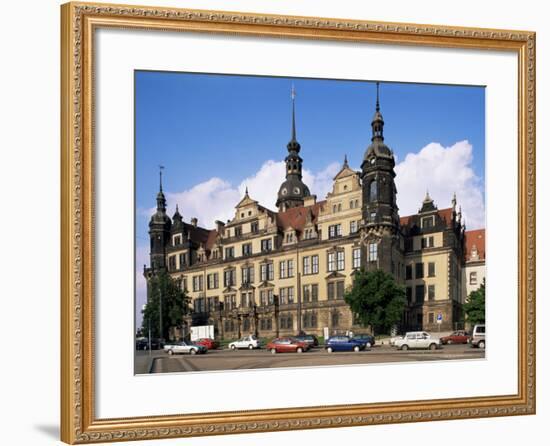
478,336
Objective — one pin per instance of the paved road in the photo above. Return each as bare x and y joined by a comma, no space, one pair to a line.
160,362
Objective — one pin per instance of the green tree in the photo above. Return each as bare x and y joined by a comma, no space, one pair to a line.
376,300
165,292
474,308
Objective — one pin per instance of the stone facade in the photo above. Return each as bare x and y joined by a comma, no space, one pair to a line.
276,273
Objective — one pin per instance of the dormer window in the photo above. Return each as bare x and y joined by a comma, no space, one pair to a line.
289,237
428,222
176,240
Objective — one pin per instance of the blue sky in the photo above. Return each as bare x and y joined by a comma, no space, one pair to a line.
216,134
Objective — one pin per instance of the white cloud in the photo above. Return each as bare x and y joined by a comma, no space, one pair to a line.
215,199
442,171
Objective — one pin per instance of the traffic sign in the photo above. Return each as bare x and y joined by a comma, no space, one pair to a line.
439,318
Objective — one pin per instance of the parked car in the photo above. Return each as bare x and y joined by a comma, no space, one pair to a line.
249,342
344,343
143,344
309,339
417,340
286,345
209,343
457,337
478,336
366,338
184,347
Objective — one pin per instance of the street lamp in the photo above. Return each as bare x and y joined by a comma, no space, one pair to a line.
143,307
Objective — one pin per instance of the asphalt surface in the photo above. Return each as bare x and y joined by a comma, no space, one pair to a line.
158,361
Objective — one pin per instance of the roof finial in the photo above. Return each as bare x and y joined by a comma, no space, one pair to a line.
161,168
377,96
346,161
177,209
293,97
427,197
246,190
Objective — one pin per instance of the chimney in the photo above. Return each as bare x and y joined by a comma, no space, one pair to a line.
194,222
220,225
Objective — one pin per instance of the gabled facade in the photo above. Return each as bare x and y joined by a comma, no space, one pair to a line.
275,273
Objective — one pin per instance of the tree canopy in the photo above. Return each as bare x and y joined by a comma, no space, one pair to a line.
474,308
166,292
376,300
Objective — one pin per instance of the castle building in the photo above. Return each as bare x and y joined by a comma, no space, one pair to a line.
275,273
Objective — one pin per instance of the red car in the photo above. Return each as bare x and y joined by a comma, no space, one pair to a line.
210,344
286,345
457,337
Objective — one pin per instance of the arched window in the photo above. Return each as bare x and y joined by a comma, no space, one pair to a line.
373,191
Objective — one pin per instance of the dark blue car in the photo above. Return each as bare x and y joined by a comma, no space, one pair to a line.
344,344
366,338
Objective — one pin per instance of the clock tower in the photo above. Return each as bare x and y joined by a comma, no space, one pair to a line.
293,191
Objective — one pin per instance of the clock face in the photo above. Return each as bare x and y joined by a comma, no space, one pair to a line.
284,191
372,160
297,190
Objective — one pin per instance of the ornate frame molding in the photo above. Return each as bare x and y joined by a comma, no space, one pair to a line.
78,424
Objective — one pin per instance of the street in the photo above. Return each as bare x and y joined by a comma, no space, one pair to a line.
160,362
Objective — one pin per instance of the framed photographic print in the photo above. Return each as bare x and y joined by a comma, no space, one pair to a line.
336,215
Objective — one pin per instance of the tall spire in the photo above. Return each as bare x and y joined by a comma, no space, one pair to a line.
377,96
377,120
293,97
161,200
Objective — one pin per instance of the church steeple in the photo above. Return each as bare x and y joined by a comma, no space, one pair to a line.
161,199
293,191
377,123
159,229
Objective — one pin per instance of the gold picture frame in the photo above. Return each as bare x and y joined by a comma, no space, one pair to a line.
78,24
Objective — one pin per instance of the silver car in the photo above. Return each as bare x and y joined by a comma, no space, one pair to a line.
417,339
184,347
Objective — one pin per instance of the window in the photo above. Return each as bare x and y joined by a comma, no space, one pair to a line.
266,324
239,229
431,292
289,237
335,290
177,240
199,305
310,320
266,272
172,263
335,319
427,242
357,258
353,227
282,296
340,289
331,261
309,234
282,269
307,265
246,299
419,270
473,278
230,302
339,207
430,318
182,260
247,275
290,295
330,290
431,269
340,260
266,297
373,191
351,204
286,269
266,245
197,283
428,222
286,322
314,264
409,294
314,292
311,293
247,249
334,231
230,252
229,278
246,324
408,272
212,281
419,293
373,252
254,227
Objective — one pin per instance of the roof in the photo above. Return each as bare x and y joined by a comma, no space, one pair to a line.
198,234
474,239
296,217
445,214
212,236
